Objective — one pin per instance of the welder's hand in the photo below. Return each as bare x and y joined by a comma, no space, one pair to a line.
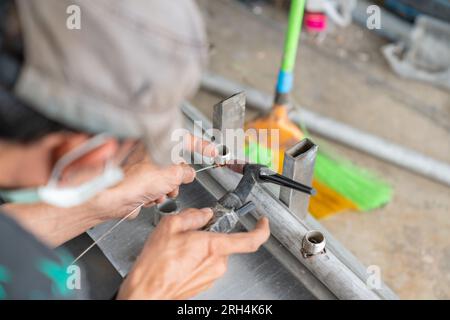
144,183
178,262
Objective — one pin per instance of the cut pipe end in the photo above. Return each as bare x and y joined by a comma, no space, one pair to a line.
313,243
223,155
167,207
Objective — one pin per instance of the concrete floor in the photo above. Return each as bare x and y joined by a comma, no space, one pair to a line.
346,78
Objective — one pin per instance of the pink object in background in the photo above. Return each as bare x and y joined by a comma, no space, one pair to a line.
315,21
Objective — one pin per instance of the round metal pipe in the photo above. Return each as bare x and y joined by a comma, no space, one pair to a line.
313,243
223,156
168,207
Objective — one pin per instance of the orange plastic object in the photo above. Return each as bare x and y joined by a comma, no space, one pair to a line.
288,133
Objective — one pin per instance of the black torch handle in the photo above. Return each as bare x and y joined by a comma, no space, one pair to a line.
286,182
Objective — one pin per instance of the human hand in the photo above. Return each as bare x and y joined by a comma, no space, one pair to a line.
193,143
178,261
144,185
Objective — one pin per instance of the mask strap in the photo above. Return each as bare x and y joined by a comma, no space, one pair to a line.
74,154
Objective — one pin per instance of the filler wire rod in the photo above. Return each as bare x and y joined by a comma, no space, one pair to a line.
206,168
107,232
124,218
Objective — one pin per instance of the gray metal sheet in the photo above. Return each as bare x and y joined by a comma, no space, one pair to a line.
250,276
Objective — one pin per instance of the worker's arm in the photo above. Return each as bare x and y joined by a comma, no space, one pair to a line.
144,184
178,261
52,225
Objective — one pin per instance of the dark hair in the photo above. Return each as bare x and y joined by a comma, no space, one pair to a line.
20,123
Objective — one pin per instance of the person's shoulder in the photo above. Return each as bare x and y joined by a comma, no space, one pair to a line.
28,268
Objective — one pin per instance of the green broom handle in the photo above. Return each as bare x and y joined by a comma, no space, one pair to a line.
285,76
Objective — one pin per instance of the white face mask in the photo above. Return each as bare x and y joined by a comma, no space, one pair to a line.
28,195
69,196
73,196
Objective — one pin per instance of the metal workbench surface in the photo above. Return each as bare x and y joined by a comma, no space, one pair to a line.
250,276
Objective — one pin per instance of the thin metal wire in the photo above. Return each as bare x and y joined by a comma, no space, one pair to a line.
124,218
106,233
206,168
